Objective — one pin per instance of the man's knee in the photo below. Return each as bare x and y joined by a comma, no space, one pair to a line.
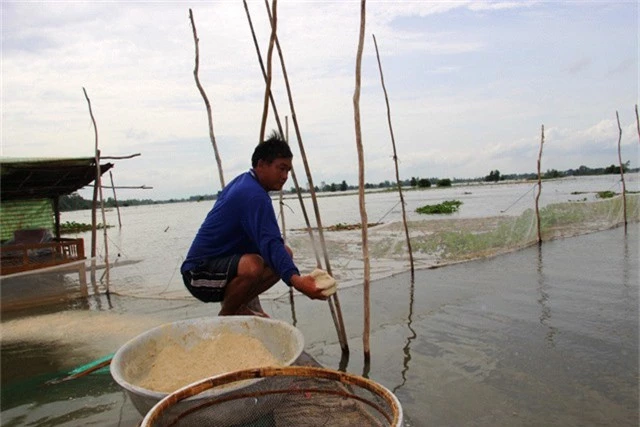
251,266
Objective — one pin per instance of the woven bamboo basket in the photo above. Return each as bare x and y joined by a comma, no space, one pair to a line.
299,396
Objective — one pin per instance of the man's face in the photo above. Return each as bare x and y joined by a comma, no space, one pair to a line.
272,176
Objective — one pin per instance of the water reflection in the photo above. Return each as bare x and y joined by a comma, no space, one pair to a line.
407,348
543,300
97,299
294,319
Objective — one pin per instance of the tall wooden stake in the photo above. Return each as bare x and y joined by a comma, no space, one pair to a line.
395,160
99,186
624,190
279,124
206,100
267,91
284,227
539,187
638,123
115,199
363,210
277,116
337,312
293,174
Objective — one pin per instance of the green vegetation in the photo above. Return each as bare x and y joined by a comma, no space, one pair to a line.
605,194
446,207
494,176
71,227
342,227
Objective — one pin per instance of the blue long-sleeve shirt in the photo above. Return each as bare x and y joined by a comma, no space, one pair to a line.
242,221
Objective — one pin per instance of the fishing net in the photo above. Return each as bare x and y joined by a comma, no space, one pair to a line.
438,240
283,396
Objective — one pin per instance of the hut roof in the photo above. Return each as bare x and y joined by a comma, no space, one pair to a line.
31,178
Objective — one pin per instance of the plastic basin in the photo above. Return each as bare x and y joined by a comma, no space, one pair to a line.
131,362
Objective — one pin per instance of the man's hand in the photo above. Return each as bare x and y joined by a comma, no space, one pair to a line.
307,285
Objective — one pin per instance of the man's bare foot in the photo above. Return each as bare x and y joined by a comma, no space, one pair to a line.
246,311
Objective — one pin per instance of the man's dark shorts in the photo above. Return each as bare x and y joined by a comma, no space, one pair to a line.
209,279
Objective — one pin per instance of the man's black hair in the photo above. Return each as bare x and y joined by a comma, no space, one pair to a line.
274,147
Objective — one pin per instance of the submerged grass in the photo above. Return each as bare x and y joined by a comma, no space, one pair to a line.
471,240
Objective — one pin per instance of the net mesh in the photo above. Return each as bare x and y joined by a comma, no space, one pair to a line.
287,396
439,241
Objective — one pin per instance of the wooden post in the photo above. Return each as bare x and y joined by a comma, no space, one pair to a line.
104,228
277,117
206,101
624,190
267,90
56,215
337,319
395,160
638,123
115,199
539,187
337,312
284,225
99,187
363,210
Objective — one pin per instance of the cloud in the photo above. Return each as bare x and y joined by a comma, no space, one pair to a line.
579,65
469,84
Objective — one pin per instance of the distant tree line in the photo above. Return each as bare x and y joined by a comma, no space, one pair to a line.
74,201
494,175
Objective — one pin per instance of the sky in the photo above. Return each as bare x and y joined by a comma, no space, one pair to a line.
470,85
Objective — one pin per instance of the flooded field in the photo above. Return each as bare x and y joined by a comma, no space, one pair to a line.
537,336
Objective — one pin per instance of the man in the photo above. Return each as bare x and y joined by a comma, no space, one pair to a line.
238,252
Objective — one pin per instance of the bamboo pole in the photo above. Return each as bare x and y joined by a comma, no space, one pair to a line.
56,215
206,100
279,124
337,322
129,187
98,183
267,91
337,312
94,227
638,123
115,199
624,190
363,210
395,160
539,187
284,227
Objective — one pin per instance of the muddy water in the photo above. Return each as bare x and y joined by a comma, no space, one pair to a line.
543,336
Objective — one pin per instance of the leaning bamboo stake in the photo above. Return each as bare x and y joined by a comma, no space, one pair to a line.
337,313
277,117
624,191
539,188
206,100
282,220
267,90
293,175
99,185
395,160
284,226
638,122
363,210
115,199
